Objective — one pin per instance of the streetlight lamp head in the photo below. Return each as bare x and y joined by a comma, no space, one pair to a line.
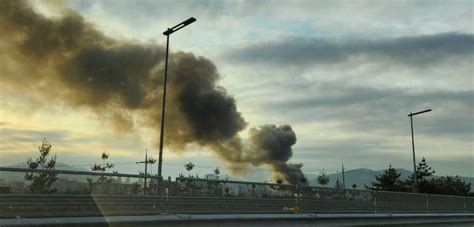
189,21
424,111
175,28
168,31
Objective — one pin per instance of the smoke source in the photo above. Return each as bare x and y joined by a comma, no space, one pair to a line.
66,60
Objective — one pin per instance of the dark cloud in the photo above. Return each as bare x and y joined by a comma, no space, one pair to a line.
370,95
410,50
375,109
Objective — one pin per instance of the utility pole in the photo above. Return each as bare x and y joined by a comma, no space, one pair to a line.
146,168
343,177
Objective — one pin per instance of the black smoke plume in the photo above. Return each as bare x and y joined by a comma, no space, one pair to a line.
271,145
66,60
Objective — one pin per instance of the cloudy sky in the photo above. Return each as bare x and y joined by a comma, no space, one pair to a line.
343,74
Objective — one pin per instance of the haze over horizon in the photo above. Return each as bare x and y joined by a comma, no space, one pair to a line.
343,75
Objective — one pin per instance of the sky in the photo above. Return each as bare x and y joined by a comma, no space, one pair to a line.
343,74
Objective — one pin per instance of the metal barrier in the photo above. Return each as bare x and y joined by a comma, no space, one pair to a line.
452,219
395,202
80,192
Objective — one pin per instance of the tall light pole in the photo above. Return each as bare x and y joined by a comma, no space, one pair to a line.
415,180
167,33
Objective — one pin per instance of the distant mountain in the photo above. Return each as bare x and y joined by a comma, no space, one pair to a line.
362,177
13,176
59,166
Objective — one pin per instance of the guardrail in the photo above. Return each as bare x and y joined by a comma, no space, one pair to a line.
250,220
73,205
191,195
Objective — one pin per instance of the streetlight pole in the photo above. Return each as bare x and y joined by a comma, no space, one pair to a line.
415,180
167,33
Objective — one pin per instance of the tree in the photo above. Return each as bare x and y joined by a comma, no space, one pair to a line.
41,182
103,184
189,166
388,181
338,184
104,166
304,180
423,170
423,173
323,178
428,183
354,186
217,172
135,188
450,185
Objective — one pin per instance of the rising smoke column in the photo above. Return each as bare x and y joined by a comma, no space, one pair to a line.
66,61
271,144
